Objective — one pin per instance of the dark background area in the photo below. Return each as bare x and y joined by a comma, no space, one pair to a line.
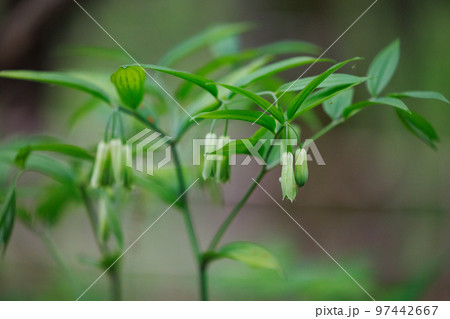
380,206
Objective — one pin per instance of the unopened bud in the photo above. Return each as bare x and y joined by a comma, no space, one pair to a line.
287,178
301,167
129,82
222,165
209,165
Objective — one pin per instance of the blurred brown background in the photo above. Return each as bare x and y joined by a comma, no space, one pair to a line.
380,206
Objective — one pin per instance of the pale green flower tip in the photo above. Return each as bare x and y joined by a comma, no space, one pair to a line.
208,169
222,161
209,165
117,160
301,167
287,178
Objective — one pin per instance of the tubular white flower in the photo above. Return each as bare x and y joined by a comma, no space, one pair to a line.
101,159
301,167
287,178
117,160
209,164
128,173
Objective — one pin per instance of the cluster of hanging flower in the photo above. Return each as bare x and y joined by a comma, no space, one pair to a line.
216,166
293,174
109,171
110,165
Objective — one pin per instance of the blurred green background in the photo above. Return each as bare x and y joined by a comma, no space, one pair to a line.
380,206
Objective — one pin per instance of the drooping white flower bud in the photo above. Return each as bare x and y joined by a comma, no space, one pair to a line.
301,167
287,178
100,166
209,165
222,165
117,150
128,175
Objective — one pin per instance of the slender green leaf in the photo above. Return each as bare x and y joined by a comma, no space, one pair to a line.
129,82
334,106
356,107
263,103
259,140
7,217
65,149
382,68
289,47
22,156
201,40
420,95
278,67
392,102
419,126
251,254
213,65
321,96
332,80
207,103
202,82
297,102
282,47
50,168
226,46
58,78
278,48
256,117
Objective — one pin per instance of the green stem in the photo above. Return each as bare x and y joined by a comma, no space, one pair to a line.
223,228
141,119
204,281
236,210
113,272
261,174
181,185
116,287
184,201
188,219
